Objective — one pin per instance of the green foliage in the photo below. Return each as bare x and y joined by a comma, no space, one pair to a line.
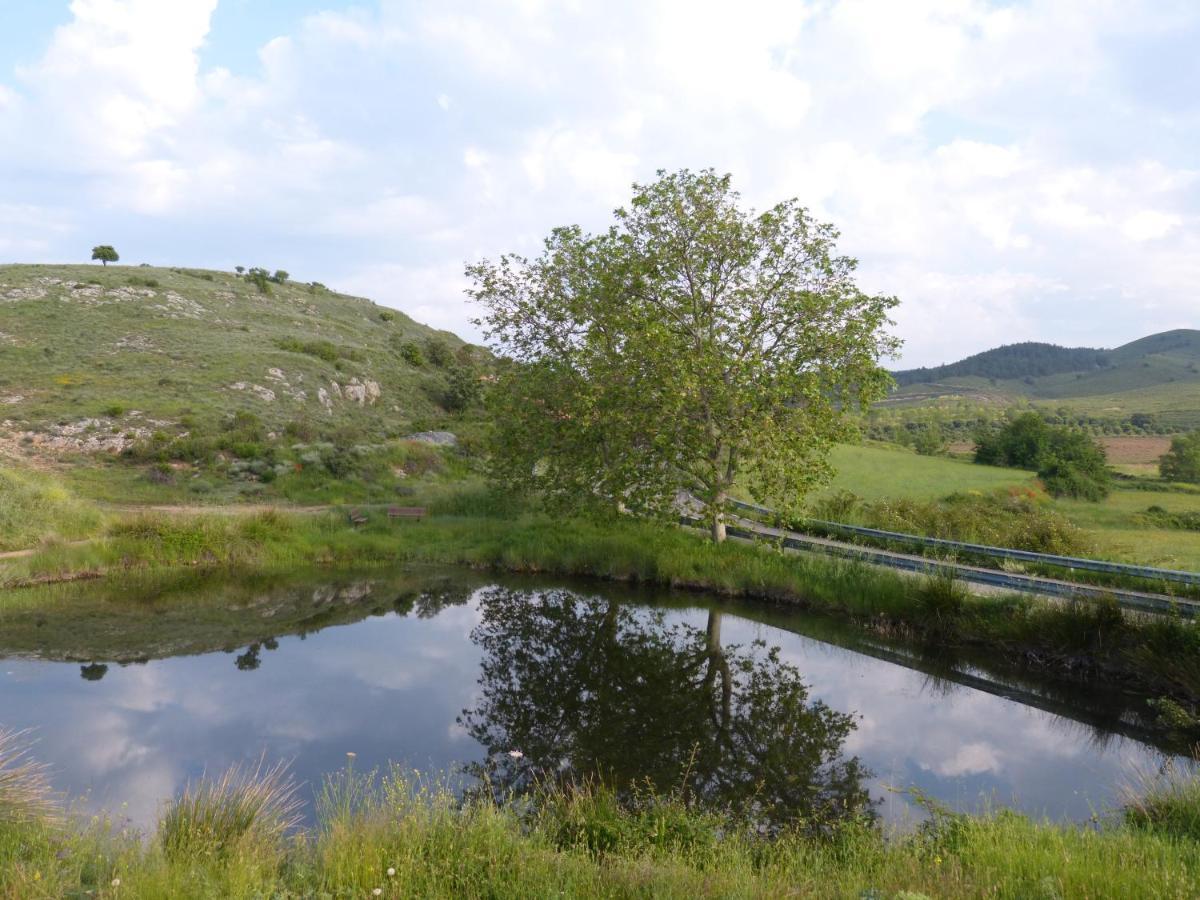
929,441
321,349
464,389
105,253
411,353
280,276
1069,462
694,345
386,315
438,352
260,279
1182,461
1013,517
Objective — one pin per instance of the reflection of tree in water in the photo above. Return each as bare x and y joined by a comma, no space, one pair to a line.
93,671
584,687
250,660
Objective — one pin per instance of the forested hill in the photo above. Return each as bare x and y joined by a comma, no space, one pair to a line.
1027,359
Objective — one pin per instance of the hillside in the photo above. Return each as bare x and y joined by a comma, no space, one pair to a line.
1157,376
98,358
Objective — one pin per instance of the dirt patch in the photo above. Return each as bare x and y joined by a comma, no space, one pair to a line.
1135,449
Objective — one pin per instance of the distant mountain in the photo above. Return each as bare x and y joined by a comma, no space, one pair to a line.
1158,376
93,358
1012,361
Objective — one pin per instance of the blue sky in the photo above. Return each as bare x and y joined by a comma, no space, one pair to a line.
1012,171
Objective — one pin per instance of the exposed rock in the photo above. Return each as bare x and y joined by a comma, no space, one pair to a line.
361,392
324,399
265,394
437,438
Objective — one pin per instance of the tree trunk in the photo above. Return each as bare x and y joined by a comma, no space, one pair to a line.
718,518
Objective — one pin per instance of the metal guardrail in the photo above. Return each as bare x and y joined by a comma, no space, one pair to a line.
1136,600
1066,562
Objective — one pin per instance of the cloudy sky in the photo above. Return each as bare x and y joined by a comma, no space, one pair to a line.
1011,170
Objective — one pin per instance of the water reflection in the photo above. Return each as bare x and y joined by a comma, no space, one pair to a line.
768,711
583,686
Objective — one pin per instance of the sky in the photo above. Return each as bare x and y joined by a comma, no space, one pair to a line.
1010,170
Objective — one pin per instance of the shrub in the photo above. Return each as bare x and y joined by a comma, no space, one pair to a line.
464,389
114,410
1069,462
387,315
438,352
411,353
1182,461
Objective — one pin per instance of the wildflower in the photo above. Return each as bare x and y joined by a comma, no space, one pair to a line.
937,860
391,872
515,754
377,892
116,882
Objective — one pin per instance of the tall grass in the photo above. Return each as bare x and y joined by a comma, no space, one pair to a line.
399,835
34,508
25,793
245,809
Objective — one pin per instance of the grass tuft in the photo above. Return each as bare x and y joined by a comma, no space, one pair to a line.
244,807
25,793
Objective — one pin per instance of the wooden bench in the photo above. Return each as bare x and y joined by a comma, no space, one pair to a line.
357,517
406,512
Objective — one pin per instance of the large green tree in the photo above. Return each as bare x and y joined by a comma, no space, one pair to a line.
693,346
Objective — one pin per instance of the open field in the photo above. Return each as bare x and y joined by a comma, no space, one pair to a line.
1115,525
877,470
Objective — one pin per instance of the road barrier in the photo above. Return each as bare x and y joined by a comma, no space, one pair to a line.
1134,600
1066,562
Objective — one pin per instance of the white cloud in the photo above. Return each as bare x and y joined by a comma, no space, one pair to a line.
1149,225
1000,168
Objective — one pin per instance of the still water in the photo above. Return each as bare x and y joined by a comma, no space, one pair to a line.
132,692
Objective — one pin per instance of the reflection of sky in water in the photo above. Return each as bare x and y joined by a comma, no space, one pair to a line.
391,688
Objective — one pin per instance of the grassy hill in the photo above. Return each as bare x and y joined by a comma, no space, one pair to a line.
99,356
1158,376
139,384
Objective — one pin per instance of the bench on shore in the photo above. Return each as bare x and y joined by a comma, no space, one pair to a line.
406,512
357,517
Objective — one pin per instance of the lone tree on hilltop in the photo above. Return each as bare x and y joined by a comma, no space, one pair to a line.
105,253
694,346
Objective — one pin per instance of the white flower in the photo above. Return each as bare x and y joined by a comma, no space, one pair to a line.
391,872
378,892
116,882
515,754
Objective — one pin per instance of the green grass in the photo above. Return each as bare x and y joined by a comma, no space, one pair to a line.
400,835
36,508
1114,527
875,471
84,342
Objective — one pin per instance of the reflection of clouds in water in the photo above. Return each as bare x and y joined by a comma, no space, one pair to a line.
391,688
957,742
969,759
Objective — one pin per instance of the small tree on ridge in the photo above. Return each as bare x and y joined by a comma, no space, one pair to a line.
105,253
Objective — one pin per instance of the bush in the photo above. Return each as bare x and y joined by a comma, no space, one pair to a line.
1182,461
438,352
1017,518
1069,462
464,389
411,353
387,315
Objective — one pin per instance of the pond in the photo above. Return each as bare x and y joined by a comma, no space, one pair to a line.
131,691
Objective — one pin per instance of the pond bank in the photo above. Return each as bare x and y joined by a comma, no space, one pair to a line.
397,837
1086,641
